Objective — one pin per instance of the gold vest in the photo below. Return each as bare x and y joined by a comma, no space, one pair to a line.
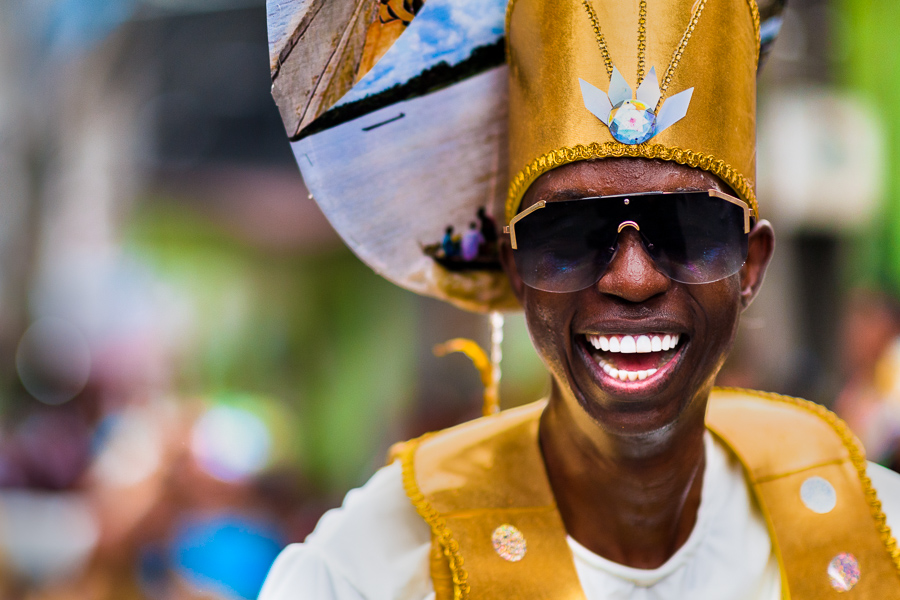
469,480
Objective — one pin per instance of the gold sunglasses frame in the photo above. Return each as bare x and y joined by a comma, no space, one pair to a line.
511,228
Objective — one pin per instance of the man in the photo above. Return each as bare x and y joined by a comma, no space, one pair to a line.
634,243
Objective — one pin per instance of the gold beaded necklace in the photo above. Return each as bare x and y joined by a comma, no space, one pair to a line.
642,43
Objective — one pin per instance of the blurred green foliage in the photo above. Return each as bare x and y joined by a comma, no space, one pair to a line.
867,62
320,332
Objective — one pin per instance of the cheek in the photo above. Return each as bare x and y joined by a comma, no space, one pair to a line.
720,302
547,326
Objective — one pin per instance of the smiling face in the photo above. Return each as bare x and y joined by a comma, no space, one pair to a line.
637,350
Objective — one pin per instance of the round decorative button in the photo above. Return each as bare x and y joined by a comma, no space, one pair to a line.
509,543
818,495
843,572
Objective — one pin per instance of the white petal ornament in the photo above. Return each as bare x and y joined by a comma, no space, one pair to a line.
632,118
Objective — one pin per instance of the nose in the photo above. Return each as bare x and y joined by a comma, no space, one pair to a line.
632,275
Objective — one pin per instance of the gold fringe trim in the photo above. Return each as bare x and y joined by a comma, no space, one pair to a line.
557,158
857,458
438,526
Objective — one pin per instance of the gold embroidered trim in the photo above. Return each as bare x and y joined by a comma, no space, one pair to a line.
564,156
857,458
438,526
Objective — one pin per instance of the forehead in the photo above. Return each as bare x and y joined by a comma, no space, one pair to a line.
612,176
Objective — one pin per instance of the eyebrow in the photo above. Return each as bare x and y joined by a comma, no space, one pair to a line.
575,194
568,194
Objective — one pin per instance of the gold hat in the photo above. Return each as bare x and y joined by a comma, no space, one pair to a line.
409,118
557,49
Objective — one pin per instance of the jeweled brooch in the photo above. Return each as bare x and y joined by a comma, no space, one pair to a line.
631,116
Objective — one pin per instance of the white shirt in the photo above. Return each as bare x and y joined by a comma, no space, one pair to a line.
376,547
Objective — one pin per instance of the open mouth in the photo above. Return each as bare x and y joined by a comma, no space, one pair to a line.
633,357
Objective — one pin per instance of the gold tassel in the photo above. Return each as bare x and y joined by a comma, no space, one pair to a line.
488,367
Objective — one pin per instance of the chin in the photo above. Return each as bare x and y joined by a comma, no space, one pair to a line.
659,386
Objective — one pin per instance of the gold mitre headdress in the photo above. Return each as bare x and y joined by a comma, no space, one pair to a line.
419,124
667,79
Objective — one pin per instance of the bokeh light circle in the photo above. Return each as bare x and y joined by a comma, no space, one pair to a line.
230,443
53,361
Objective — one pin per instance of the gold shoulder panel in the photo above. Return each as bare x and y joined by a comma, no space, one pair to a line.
782,442
469,480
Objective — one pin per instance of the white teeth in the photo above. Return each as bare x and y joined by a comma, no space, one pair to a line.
624,375
643,344
627,344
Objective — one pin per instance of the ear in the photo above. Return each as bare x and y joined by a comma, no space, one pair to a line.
759,253
509,265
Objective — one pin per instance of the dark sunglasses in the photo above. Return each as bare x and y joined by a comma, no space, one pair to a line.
692,237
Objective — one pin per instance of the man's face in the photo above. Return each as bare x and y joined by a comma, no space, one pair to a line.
634,304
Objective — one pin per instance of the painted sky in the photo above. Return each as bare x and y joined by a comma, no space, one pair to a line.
445,30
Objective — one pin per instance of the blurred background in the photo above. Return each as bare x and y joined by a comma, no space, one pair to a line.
193,367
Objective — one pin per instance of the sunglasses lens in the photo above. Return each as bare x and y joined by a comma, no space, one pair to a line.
695,238
564,247
692,237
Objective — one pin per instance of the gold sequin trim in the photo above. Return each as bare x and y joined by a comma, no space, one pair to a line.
564,156
857,459
438,526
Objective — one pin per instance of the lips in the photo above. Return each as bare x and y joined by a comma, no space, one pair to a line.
633,357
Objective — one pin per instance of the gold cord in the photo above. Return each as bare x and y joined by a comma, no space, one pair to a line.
564,156
642,41
601,41
857,458
438,525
